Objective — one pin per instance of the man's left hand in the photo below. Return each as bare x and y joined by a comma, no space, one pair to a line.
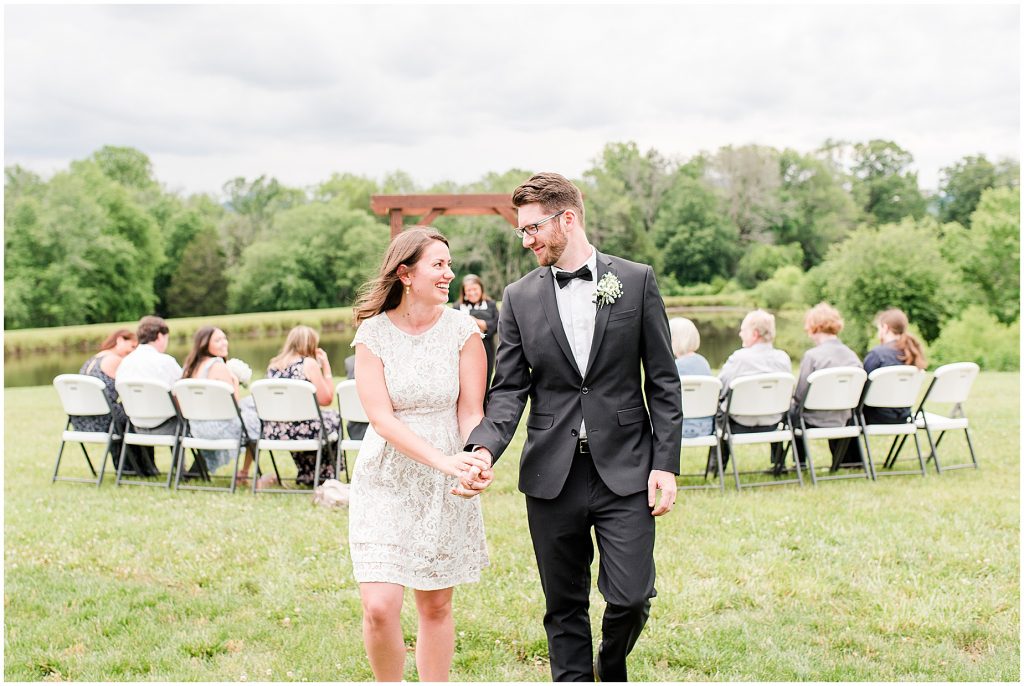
666,483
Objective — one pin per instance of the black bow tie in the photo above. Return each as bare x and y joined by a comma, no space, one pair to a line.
563,278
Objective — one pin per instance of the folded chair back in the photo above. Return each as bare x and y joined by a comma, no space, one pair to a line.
348,402
895,386
205,399
952,382
81,395
761,394
836,388
147,403
285,400
700,395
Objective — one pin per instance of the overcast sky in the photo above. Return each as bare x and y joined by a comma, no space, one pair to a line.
452,92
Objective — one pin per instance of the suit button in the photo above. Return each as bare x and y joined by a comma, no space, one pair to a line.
574,432
585,390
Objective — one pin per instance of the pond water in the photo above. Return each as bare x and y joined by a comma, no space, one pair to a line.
719,331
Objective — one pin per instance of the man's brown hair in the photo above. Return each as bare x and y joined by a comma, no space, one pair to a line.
150,327
553,191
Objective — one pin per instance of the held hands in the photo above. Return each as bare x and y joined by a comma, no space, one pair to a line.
465,466
476,480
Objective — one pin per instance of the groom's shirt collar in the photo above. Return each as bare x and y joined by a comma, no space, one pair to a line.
591,262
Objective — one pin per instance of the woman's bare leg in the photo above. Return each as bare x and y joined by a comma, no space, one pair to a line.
435,639
382,629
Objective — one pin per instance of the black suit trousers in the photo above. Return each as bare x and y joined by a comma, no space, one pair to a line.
624,529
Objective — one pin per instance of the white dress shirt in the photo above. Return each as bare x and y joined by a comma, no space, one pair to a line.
148,363
578,312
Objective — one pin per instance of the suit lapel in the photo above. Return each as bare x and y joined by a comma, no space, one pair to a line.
601,323
547,299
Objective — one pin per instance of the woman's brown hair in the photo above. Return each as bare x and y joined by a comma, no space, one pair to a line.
301,341
385,292
200,349
110,341
909,348
471,279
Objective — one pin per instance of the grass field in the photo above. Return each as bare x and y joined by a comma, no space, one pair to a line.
908,578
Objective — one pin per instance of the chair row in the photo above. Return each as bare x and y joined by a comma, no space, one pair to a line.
149,404
838,388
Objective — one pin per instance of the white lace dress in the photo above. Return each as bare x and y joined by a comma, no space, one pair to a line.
405,527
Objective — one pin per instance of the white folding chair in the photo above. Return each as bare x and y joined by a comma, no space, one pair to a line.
897,387
84,396
208,400
351,410
288,400
148,404
836,388
700,399
950,384
761,394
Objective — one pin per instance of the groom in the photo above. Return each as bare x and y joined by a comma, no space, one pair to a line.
602,438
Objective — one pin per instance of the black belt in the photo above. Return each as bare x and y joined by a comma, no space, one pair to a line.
583,447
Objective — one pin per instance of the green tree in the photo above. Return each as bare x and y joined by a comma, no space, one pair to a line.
963,182
990,260
894,265
253,205
317,258
623,192
199,283
696,239
816,210
79,249
127,166
883,184
761,261
749,181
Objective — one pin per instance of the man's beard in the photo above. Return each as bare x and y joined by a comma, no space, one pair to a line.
553,249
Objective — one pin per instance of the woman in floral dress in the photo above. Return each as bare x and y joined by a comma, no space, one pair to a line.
302,359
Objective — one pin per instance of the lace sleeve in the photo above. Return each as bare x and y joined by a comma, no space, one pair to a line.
465,327
368,334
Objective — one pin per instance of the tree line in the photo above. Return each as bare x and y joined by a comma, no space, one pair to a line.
105,241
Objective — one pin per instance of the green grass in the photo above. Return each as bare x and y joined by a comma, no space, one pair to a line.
903,579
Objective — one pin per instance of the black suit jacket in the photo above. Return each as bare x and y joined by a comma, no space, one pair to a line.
628,437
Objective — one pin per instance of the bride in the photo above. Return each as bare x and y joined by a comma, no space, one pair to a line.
420,374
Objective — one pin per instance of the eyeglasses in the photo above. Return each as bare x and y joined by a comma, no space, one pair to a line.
532,229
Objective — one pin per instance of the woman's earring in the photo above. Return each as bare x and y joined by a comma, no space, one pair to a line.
407,289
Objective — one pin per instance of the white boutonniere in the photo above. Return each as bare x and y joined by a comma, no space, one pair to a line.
608,290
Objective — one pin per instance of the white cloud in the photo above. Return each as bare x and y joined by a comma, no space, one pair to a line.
452,92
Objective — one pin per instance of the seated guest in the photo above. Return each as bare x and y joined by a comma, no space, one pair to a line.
685,341
823,324
300,358
150,361
356,430
103,365
897,347
757,356
207,360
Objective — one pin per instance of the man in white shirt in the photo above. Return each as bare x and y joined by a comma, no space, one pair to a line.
149,362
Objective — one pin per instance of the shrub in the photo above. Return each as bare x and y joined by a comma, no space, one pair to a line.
976,336
785,288
761,261
895,265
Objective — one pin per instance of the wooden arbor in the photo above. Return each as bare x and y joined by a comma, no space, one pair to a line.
433,205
